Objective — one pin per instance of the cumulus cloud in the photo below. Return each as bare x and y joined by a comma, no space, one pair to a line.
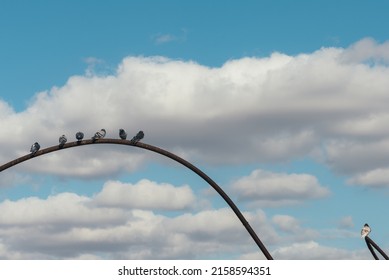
117,223
291,229
267,188
287,223
376,178
329,104
68,225
312,250
145,195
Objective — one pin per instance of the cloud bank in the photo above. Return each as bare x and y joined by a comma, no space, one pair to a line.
72,226
329,105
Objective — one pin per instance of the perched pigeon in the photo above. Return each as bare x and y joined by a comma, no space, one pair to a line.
365,231
137,137
34,148
99,134
122,134
62,140
79,136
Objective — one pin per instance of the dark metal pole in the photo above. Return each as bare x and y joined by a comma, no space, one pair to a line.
370,243
155,149
371,250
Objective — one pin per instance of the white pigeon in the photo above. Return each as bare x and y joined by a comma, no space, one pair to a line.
34,148
79,136
122,134
62,140
365,231
99,134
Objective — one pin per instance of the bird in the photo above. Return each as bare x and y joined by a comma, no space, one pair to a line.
122,134
99,134
62,140
137,137
365,231
34,148
79,136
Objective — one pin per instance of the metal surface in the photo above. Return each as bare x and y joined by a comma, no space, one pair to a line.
370,244
165,153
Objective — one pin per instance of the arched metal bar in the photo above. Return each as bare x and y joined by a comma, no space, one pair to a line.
163,152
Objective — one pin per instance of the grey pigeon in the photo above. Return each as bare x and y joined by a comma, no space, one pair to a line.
79,136
34,148
99,134
365,231
122,134
62,140
137,137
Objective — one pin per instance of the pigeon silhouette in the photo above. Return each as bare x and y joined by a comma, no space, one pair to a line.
34,148
99,134
139,136
79,136
365,231
122,134
62,140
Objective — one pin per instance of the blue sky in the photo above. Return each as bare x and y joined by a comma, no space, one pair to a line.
282,103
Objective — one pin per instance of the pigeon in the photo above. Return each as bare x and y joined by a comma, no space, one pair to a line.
79,136
122,134
365,231
62,140
99,134
137,137
34,148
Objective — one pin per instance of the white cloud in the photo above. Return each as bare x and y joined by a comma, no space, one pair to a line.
367,50
331,103
71,226
376,178
269,188
291,229
312,250
287,223
64,209
145,194
5,109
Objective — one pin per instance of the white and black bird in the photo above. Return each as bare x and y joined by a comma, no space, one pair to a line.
99,134
122,134
365,231
79,136
139,136
34,148
62,140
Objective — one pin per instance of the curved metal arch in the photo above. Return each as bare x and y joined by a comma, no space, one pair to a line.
163,152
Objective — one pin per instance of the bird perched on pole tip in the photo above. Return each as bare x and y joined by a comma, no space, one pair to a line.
99,134
365,231
139,136
34,148
62,140
122,134
79,136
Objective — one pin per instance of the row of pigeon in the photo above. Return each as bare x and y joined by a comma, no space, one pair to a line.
98,135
